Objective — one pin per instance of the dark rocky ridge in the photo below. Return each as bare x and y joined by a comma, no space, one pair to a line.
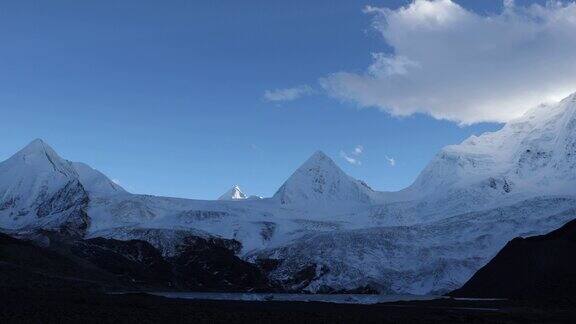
108,264
40,285
539,267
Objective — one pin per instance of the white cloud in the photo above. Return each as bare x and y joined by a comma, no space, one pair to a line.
454,64
288,94
358,150
390,160
350,159
354,156
116,181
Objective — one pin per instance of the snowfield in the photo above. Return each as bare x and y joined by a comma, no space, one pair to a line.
431,237
421,259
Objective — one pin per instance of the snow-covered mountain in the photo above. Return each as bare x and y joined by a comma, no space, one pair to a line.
320,181
426,258
39,189
535,151
430,237
95,182
235,193
465,205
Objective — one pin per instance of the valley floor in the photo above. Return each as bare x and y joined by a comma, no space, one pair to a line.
29,305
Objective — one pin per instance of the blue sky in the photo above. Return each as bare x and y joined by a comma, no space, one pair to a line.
169,97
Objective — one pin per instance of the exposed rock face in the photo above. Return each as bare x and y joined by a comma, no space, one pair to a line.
69,205
199,264
537,267
209,264
170,242
133,262
27,265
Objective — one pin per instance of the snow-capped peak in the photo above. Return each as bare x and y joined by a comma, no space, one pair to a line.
235,193
320,180
38,156
37,169
36,183
534,151
36,145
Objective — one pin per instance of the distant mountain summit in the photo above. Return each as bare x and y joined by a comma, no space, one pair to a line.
38,188
38,158
320,180
235,193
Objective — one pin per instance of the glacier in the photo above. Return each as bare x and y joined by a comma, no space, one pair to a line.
324,231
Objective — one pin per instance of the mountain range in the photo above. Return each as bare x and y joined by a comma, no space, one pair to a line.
324,231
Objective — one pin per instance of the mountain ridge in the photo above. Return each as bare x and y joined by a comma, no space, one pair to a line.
464,206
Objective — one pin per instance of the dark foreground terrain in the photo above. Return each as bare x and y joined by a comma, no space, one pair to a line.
50,259
67,283
539,268
46,306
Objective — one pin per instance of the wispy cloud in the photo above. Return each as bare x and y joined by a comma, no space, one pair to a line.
350,159
354,156
453,63
391,160
288,94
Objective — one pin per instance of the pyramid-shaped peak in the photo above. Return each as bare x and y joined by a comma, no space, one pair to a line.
318,156
320,180
37,146
38,156
235,193
37,141
38,151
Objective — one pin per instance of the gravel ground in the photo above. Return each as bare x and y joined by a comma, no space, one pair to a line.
75,306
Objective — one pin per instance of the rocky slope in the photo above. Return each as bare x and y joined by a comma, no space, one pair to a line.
55,260
537,267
